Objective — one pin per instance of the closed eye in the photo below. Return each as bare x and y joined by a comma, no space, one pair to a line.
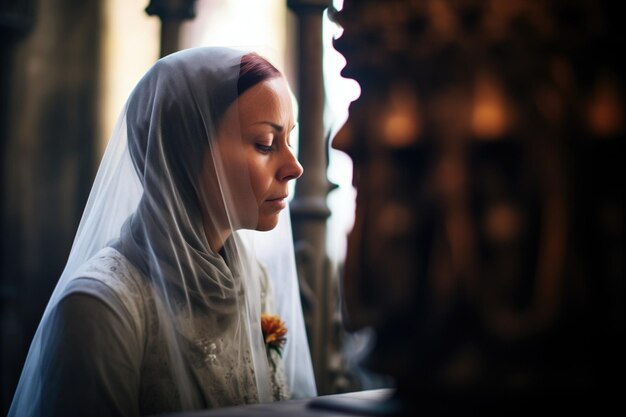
264,148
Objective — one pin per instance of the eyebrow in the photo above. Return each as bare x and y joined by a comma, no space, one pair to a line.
276,127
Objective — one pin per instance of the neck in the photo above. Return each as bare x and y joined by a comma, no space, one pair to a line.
216,239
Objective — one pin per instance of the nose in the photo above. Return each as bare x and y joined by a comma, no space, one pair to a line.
290,168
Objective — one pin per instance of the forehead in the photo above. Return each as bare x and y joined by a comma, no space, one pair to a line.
268,100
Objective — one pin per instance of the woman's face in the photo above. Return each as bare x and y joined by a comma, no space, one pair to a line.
256,155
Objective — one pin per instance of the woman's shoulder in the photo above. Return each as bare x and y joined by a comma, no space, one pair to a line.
111,268
110,277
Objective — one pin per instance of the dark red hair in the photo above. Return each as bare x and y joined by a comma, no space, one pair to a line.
253,70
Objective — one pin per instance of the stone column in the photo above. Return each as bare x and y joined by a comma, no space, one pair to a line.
309,210
172,13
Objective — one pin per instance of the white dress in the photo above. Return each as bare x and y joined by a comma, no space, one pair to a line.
107,357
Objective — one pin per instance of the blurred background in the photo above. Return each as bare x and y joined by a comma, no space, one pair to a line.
486,256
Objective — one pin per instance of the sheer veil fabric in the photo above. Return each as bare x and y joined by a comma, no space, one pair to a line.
147,214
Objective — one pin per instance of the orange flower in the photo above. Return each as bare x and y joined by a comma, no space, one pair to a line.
274,331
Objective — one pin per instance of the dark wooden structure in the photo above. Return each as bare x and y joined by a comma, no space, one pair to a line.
488,248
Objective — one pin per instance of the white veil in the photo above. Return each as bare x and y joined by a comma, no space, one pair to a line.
147,204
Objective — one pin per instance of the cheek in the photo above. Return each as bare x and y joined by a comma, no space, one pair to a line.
237,178
260,178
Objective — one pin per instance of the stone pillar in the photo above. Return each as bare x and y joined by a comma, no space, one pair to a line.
309,210
172,13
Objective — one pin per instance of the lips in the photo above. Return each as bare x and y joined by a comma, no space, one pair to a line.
282,197
277,203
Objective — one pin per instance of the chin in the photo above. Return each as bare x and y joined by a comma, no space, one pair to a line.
267,223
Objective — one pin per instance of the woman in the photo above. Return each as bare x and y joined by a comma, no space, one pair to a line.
159,307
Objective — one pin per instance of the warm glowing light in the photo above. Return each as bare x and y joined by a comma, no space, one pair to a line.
400,123
502,223
605,111
489,117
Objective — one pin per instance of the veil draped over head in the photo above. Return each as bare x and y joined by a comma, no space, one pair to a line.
199,310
